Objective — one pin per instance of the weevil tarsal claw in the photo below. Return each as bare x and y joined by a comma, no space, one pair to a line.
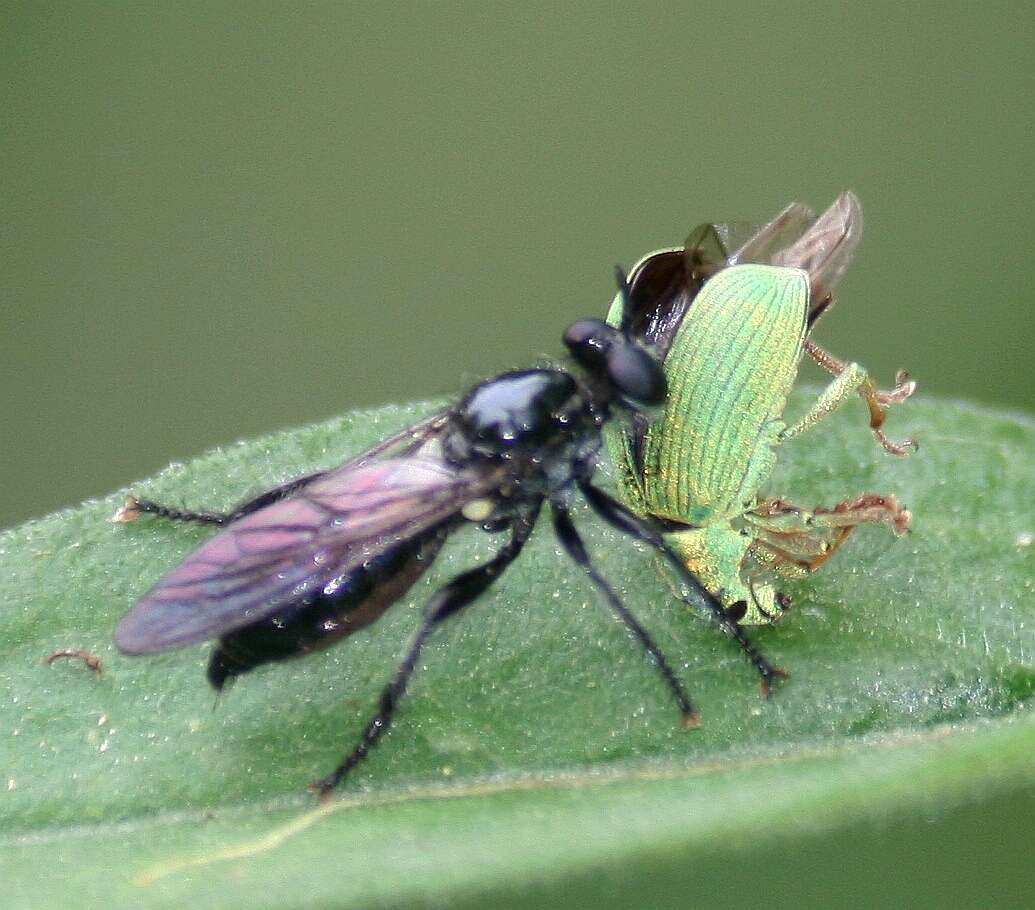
904,388
895,448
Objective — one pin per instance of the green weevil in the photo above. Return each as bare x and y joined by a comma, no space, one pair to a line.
732,323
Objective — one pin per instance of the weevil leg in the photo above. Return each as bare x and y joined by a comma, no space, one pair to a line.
446,601
757,603
851,379
570,539
792,541
626,521
904,386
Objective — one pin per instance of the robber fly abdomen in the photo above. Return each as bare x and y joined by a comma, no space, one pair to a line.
346,604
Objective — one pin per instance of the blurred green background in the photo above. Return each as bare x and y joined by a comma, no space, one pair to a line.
223,219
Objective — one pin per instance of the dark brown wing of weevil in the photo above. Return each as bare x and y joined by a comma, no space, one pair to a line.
274,558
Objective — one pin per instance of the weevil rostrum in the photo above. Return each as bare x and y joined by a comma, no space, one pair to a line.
732,322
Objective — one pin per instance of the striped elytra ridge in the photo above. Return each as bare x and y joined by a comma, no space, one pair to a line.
730,370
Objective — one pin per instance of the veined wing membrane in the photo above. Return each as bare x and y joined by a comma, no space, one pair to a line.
761,244
295,547
827,247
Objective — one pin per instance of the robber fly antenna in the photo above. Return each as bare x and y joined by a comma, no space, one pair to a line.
623,288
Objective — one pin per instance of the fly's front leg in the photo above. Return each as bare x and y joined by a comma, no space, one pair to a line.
851,379
570,539
694,593
133,508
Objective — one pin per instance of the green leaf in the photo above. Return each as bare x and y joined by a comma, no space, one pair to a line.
537,759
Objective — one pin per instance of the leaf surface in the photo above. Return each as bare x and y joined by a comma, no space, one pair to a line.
538,760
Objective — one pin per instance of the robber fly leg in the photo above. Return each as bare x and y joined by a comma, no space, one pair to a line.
134,508
573,546
448,600
617,515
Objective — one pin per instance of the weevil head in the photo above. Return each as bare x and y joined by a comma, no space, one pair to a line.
621,368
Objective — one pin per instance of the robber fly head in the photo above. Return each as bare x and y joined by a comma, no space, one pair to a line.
630,375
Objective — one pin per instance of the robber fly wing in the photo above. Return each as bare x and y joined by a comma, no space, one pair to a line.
419,437
409,441
296,547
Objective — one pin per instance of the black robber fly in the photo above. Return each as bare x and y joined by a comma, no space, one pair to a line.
312,561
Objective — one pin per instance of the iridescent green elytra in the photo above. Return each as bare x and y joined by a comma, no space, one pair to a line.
733,331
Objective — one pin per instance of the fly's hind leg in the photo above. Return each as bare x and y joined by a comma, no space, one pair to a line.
851,379
133,508
405,442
